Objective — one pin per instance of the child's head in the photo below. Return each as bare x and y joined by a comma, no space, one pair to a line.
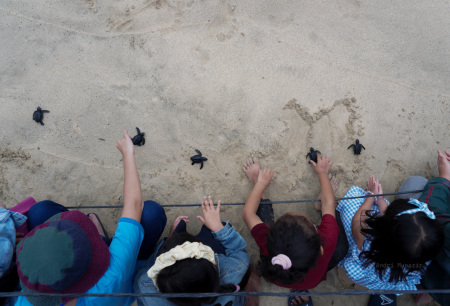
295,236
189,275
403,243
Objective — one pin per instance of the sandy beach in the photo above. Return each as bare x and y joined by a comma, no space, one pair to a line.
233,79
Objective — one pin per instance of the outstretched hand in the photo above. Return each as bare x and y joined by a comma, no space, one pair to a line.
265,176
211,215
374,185
125,145
176,222
323,164
444,164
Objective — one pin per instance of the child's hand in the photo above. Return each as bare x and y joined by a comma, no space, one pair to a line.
265,177
444,164
323,164
176,222
374,186
125,145
211,215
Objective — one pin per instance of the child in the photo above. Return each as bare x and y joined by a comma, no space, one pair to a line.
294,252
437,195
67,255
186,264
390,245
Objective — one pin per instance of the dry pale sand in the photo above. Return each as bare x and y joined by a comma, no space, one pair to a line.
232,78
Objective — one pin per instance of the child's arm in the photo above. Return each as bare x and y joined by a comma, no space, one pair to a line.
358,221
211,215
252,202
132,196
327,196
375,187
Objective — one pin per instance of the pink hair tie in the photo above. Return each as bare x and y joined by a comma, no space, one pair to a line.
238,288
282,260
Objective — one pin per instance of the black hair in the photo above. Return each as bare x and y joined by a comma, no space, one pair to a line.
402,243
296,237
9,281
189,275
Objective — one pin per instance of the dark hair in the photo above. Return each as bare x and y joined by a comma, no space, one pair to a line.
402,243
296,237
189,275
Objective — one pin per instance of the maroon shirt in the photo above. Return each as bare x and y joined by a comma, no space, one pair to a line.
328,232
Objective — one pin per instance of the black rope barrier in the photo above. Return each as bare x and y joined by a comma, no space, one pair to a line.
263,203
211,294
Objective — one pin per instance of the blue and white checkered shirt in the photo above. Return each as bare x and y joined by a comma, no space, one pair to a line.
354,267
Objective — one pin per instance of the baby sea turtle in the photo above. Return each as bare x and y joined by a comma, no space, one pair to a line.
139,139
198,158
313,154
356,147
38,115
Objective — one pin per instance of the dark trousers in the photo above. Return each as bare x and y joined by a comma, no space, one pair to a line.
153,221
341,246
205,236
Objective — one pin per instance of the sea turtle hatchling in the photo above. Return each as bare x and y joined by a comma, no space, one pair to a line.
198,159
356,147
312,154
38,115
139,139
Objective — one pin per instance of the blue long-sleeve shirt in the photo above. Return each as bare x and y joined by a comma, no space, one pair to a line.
231,266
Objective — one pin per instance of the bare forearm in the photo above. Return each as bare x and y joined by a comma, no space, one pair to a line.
382,205
251,206
132,195
327,196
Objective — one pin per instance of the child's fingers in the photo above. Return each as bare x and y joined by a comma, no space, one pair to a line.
201,219
211,204
312,163
218,205
204,205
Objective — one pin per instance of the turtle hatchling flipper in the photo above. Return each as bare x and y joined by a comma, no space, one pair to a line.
201,166
198,152
192,163
143,141
45,111
352,145
363,147
42,123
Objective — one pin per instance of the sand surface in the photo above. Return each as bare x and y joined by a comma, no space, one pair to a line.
234,79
